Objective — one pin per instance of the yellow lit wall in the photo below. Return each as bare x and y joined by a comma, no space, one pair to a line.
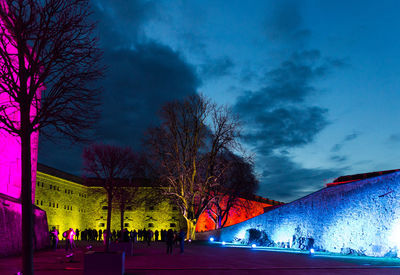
71,204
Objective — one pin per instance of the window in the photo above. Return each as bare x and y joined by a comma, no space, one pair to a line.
71,207
126,224
57,205
151,208
51,186
151,225
58,188
172,225
129,208
72,192
41,202
54,204
49,203
42,184
65,190
65,207
38,183
104,208
37,202
101,224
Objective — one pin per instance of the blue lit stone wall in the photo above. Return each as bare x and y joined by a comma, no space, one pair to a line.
361,217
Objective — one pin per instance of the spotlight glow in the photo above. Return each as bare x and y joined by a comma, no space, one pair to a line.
312,251
253,245
211,239
223,243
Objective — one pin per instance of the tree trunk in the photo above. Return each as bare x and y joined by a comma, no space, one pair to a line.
122,218
109,207
191,229
26,193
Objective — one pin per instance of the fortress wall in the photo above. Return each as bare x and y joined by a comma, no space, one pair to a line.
361,217
10,227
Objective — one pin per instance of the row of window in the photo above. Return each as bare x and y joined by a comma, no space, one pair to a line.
53,205
67,207
150,208
56,188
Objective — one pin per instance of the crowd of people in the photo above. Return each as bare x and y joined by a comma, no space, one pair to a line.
170,237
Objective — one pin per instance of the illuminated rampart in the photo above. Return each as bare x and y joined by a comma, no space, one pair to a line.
242,211
360,217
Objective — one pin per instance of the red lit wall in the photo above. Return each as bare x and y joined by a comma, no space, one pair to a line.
236,215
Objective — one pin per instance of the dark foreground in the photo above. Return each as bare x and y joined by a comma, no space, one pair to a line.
208,259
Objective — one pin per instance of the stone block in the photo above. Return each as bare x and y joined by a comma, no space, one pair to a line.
102,263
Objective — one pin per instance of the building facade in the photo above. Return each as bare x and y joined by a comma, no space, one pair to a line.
69,203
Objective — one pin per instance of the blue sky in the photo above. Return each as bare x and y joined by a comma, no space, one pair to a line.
315,82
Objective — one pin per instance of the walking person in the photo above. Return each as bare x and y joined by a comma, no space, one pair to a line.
182,234
54,235
156,236
170,241
71,236
67,240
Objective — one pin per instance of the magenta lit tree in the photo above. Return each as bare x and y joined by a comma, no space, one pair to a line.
49,61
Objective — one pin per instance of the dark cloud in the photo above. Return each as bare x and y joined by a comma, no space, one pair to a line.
285,127
278,117
141,76
290,82
215,68
287,180
139,82
120,22
285,23
338,146
277,112
338,159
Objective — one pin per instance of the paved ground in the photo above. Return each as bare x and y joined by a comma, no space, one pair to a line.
209,259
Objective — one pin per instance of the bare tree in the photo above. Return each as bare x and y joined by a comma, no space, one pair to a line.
125,198
237,184
109,165
193,133
45,44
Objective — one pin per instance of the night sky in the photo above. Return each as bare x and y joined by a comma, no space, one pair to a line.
315,82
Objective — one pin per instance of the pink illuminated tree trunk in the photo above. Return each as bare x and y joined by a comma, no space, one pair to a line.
43,44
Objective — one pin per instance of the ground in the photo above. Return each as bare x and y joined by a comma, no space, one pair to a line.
205,258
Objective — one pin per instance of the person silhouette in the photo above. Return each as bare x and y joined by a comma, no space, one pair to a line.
170,241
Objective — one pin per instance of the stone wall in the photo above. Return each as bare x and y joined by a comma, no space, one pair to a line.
361,217
10,227
206,235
